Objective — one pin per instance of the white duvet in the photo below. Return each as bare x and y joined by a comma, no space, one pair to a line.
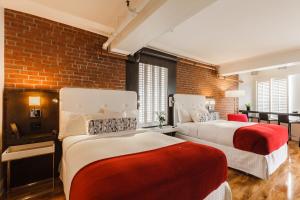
79,151
217,131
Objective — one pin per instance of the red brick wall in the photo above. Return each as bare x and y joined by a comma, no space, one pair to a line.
40,53
192,79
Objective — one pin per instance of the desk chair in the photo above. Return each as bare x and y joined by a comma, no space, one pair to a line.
284,118
266,117
251,116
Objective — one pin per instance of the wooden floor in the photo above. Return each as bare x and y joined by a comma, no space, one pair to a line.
283,184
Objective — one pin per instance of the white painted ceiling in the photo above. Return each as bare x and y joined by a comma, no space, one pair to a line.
231,30
105,12
237,35
99,16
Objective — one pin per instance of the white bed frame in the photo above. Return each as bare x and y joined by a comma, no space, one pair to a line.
80,100
258,165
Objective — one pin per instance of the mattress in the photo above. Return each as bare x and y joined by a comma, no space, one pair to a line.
261,166
79,151
216,131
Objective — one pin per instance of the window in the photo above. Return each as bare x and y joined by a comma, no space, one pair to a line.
263,96
272,95
153,87
279,95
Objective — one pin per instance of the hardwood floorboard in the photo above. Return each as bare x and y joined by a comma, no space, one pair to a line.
284,184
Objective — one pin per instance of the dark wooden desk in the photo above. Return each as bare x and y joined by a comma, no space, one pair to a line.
297,115
271,113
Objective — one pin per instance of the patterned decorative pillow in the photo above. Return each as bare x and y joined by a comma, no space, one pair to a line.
204,116
213,116
102,126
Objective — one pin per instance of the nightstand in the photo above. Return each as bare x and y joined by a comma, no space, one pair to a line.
26,151
167,130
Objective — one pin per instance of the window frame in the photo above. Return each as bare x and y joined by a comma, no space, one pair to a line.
161,96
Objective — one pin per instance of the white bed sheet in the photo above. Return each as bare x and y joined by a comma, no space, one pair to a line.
223,192
216,131
78,151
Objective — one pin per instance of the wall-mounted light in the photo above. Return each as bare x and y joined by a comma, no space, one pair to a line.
35,103
55,100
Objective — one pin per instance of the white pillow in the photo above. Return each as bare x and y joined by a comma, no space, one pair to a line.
110,114
77,123
115,114
131,113
71,124
184,115
202,109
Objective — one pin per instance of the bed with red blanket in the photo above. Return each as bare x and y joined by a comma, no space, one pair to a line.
249,147
146,165
257,149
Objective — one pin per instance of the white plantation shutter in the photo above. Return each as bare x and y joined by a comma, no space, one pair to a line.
153,87
272,95
279,95
263,96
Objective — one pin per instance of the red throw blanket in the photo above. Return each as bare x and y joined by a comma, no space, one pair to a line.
260,138
181,171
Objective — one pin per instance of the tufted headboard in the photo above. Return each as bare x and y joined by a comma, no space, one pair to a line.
188,102
82,100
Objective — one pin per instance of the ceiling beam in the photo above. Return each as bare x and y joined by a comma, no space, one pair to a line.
155,19
269,61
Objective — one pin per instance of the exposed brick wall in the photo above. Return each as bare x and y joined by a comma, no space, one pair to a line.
192,79
40,53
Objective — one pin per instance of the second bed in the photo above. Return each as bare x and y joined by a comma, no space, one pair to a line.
220,134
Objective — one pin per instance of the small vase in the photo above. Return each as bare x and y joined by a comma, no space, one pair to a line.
248,108
160,125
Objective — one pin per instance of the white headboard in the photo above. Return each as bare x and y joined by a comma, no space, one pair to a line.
82,100
188,102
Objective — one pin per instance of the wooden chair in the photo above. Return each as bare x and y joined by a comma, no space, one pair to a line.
251,116
284,118
266,117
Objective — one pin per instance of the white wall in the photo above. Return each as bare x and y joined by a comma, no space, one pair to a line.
294,93
248,86
1,82
292,73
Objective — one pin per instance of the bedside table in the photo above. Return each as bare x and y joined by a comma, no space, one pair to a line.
26,151
167,130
